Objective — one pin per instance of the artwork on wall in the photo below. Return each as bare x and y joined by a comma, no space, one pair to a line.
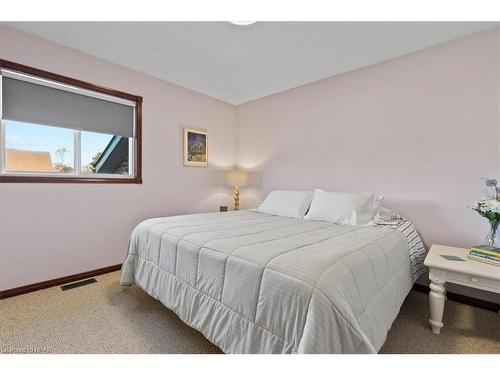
195,148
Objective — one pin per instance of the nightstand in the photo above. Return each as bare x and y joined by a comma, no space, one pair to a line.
469,273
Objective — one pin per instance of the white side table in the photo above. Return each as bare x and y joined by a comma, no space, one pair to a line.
469,273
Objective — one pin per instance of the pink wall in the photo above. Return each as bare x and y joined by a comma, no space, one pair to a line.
53,230
421,130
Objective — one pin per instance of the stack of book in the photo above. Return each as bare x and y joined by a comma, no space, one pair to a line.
485,254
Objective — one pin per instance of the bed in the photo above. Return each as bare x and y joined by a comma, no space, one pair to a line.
258,283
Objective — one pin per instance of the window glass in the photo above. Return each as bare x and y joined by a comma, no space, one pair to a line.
104,153
38,148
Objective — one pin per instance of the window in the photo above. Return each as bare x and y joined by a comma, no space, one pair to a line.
57,129
105,153
33,148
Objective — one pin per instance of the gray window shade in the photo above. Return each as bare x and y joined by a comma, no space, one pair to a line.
32,103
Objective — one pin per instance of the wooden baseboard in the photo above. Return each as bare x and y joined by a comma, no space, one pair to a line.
59,281
466,300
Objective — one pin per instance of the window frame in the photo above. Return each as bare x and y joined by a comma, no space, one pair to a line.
135,163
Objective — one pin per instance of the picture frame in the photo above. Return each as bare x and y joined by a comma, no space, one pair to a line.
195,147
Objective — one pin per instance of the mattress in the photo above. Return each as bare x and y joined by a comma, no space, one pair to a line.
257,283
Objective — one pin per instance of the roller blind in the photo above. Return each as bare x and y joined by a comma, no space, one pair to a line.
40,104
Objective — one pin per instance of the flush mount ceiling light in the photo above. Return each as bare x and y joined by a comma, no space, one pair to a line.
242,23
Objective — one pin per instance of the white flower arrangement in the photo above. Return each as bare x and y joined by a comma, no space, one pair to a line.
490,209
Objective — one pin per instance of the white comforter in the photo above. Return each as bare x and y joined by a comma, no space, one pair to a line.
256,283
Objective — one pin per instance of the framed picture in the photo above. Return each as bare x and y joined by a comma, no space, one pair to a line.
195,148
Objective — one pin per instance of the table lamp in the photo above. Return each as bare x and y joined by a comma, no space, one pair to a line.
236,179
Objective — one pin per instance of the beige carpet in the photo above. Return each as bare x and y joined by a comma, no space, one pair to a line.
101,318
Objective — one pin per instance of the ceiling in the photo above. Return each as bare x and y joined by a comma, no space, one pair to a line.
242,63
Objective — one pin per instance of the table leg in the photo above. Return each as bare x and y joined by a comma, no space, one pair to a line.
437,297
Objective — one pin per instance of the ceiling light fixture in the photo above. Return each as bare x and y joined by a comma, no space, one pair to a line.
242,23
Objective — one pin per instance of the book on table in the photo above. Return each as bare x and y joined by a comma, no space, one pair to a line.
483,259
485,254
489,251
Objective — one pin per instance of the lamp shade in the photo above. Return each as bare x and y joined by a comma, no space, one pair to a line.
236,178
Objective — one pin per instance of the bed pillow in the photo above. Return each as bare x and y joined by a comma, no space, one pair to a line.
286,203
343,208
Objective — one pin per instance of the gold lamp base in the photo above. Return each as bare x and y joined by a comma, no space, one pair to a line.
236,179
236,197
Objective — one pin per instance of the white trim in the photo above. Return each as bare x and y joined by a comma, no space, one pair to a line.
3,145
131,156
134,128
64,87
77,153
1,92
132,148
66,175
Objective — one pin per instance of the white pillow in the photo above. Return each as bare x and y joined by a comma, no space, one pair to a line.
343,208
286,203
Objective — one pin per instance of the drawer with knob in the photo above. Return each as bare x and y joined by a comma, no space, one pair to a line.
473,281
